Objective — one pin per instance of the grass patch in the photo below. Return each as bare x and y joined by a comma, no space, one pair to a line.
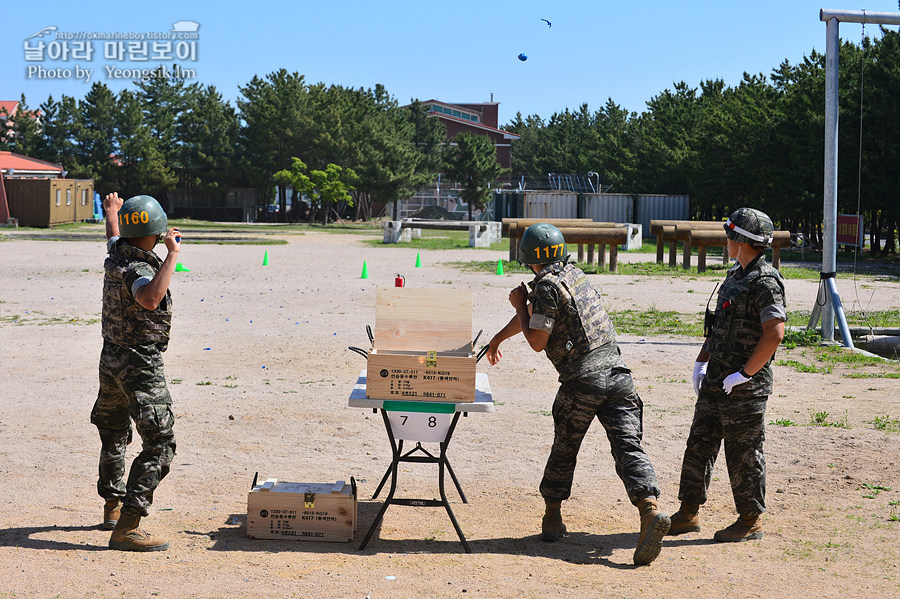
438,239
886,423
802,338
509,267
801,367
821,419
783,422
656,322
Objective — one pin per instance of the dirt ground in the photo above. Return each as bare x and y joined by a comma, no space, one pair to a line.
260,374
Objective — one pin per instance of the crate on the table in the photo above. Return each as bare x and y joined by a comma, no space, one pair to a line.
302,511
423,346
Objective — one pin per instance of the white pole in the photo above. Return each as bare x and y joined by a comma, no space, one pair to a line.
829,250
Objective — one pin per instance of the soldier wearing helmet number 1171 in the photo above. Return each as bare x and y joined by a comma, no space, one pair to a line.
732,380
137,314
564,316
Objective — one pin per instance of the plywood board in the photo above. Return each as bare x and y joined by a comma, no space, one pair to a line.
413,319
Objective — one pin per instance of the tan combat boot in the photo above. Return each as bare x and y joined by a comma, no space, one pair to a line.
112,509
746,528
686,519
127,536
552,527
654,526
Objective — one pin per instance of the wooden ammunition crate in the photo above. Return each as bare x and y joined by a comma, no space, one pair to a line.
302,511
423,346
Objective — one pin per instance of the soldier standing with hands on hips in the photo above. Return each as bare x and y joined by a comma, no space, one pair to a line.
566,318
137,315
732,380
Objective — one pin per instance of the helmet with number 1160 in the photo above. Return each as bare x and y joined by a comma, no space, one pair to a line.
542,243
142,216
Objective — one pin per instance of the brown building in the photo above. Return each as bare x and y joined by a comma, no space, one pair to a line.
37,195
477,119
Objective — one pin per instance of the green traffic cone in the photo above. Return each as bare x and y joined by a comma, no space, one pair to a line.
499,266
418,260
365,271
179,267
266,258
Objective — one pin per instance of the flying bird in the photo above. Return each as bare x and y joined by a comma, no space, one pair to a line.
549,24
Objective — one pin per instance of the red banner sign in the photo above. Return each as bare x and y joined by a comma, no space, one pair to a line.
850,229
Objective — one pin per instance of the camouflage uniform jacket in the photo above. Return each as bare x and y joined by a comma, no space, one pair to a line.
744,295
567,306
126,322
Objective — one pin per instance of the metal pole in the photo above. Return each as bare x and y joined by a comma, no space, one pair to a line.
860,16
833,18
829,250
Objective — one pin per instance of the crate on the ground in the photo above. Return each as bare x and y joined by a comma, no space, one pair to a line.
302,511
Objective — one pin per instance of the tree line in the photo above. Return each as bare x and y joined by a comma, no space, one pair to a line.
758,143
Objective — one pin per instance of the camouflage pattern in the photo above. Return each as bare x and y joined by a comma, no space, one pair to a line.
606,392
133,387
737,327
132,383
738,418
716,418
595,383
564,294
754,222
125,322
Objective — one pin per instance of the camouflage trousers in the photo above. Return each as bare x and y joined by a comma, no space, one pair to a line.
741,425
610,396
133,387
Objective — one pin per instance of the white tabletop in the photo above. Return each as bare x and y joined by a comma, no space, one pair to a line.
484,400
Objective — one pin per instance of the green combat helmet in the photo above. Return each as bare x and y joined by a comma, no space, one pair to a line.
142,216
542,243
750,226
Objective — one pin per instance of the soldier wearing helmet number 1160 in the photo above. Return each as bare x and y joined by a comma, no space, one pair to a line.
564,316
137,314
732,380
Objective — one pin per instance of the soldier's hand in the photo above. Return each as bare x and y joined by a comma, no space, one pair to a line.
699,375
493,354
733,380
112,202
519,296
173,240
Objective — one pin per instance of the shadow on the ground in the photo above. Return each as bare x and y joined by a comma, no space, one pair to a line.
575,547
23,537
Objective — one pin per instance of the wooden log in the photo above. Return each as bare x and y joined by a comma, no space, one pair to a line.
516,228
527,222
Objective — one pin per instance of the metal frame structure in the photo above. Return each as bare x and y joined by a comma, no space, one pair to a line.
830,306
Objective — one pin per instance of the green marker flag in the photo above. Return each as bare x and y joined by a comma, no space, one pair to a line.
266,258
179,267
418,260
365,271
499,266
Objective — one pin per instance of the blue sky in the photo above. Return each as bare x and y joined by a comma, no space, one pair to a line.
457,51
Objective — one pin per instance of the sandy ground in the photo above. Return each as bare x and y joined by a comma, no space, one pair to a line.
260,373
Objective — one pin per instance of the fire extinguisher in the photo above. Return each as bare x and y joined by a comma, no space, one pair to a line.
399,280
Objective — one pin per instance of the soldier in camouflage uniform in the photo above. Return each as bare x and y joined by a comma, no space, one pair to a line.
137,313
566,319
733,379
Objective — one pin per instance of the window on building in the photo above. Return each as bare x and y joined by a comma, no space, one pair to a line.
84,197
58,196
68,197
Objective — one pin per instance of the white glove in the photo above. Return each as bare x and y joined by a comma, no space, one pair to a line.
699,375
733,380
